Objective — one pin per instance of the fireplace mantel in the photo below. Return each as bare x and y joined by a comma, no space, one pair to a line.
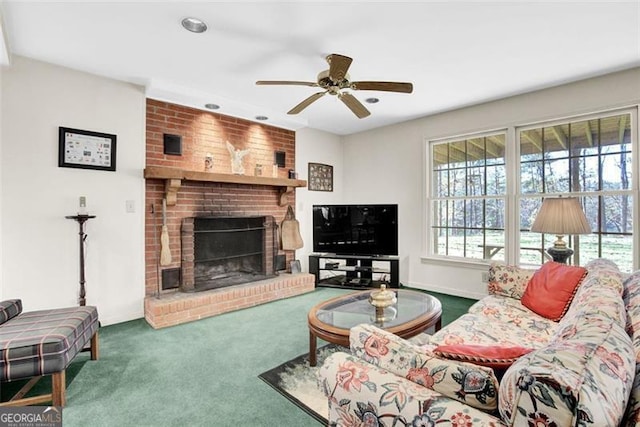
173,180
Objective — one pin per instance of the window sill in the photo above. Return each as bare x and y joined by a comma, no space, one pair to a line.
455,262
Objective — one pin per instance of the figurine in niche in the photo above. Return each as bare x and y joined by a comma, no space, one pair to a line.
236,159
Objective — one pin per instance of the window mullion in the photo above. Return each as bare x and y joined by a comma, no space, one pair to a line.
512,202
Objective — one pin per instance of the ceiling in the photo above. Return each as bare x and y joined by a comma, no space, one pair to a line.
455,53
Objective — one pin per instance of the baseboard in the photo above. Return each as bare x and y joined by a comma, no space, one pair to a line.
445,290
107,320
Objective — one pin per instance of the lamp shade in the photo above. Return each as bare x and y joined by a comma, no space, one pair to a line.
562,216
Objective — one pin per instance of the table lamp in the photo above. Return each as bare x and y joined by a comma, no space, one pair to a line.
561,216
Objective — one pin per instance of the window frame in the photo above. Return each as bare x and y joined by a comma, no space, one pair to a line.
513,195
430,187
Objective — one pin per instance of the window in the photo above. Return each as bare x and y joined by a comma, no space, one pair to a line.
590,159
468,203
474,215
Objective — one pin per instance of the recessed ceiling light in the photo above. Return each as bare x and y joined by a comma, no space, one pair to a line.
211,106
372,100
194,25
262,118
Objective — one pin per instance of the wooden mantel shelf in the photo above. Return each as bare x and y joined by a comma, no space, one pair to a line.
173,180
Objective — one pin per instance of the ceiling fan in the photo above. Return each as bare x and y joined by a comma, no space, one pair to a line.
334,81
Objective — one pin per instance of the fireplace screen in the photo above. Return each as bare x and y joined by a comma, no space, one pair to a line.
229,251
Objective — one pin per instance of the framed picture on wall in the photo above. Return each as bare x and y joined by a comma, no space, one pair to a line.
86,149
320,177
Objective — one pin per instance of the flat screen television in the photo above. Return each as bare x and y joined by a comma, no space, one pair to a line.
355,229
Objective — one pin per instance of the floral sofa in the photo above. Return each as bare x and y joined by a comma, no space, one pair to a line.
502,363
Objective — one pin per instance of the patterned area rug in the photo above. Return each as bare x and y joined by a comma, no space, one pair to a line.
297,381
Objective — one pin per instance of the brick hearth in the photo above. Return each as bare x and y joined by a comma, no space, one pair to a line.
180,307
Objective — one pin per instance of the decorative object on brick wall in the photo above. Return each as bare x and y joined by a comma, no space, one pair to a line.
208,162
279,158
291,238
236,159
86,149
320,177
165,251
172,144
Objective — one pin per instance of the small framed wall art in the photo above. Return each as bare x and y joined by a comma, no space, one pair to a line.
86,149
320,177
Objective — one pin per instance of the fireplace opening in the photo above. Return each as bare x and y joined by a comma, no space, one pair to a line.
229,251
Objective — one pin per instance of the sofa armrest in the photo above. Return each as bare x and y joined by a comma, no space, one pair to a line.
508,280
583,378
362,394
468,383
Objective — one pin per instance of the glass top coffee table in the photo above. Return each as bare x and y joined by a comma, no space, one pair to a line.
331,320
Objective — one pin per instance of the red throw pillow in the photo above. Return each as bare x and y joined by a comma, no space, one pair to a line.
551,289
496,357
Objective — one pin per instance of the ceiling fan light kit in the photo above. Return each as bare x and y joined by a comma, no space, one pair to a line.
194,25
336,81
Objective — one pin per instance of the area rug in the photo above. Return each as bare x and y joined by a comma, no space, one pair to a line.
297,381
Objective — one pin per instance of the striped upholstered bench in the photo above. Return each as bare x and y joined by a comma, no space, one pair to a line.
39,343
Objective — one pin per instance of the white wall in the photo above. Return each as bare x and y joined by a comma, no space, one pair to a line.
40,247
317,147
386,165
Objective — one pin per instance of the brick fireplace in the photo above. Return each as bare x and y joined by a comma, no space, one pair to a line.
205,134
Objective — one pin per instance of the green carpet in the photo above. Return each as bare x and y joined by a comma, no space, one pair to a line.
203,373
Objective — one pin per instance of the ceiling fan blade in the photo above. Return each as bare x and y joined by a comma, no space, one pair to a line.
354,105
385,86
338,66
286,82
304,104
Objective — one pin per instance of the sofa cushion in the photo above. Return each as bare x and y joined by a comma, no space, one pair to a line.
551,289
583,379
468,383
515,315
632,414
10,309
497,357
480,329
631,298
360,394
508,280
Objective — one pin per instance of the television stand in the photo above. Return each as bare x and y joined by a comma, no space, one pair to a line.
354,271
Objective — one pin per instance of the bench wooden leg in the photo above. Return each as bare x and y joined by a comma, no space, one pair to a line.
95,347
58,388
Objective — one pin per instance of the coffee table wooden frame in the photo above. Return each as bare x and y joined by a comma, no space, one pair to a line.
340,336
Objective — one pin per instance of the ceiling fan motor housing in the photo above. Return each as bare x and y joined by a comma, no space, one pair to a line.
325,82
